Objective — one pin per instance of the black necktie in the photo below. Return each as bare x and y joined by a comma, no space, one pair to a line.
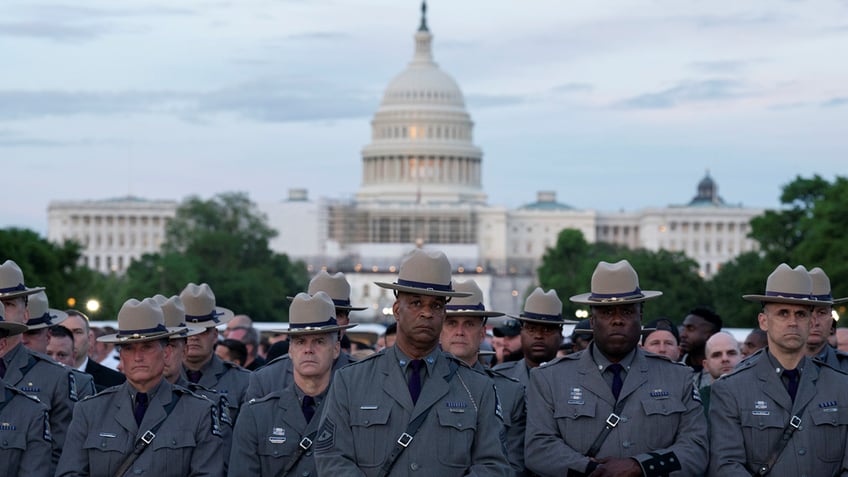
415,379
193,376
140,407
616,378
792,382
308,408
2,368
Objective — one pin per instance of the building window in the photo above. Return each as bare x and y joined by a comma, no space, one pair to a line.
366,291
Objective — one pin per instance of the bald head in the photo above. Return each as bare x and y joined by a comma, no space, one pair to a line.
722,354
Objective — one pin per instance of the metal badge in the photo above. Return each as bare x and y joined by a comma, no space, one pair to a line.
576,396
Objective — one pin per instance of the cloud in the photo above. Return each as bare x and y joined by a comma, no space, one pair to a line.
573,88
492,100
835,102
52,31
11,139
735,20
319,35
724,66
687,92
16,105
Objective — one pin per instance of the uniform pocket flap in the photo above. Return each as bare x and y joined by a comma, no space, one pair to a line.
106,442
759,419
449,417
834,416
13,439
575,411
367,416
176,440
662,407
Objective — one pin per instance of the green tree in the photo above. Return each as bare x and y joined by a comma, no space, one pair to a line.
223,242
746,274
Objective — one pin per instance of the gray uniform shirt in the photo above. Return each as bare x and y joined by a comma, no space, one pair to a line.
511,396
516,370
57,386
268,434
277,374
834,358
569,401
227,379
368,408
103,432
25,441
750,407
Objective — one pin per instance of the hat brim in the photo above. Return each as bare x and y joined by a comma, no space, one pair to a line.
13,328
137,337
586,299
56,317
543,321
314,330
19,293
783,299
421,291
839,301
339,307
225,315
185,331
477,313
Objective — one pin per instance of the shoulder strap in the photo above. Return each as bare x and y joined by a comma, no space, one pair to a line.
147,437
406,438
304,445
611,422
791,427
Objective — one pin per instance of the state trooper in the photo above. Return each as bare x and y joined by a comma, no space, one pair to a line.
25,440
173,313
462,334
274,434
145,425
780,412
614,409
412,408
201,365
277,374
822,323
55,385
541,334
41,317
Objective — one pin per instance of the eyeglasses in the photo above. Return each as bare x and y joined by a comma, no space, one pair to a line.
546,330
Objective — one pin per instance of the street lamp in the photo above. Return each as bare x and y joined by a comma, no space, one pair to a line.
92,306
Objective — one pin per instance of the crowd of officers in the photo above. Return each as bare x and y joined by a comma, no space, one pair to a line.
622,402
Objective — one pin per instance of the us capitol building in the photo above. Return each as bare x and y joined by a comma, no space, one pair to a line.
421,187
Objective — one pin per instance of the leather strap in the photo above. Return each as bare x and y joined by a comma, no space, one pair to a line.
146,438
612,421
791,427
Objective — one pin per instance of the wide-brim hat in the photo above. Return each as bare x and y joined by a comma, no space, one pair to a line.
543,307
200,308
313,314
787,285
173,313
614,284
424,272
336,286
12,282
471,305
821,288
40,313
139,321
12,327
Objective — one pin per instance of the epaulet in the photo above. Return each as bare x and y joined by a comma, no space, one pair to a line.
267,397
277,359
660,357
507,365
47,359
745,364
101,393
188,392
367,358
194,387
231,365
841,355
492,373
18,392
555,361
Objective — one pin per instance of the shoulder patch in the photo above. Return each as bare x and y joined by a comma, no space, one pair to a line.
72,387
326,435
47,435
696,394
498,408
216,425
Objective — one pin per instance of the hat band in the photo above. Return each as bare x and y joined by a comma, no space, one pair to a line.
539,316
157,329
827,297
18,287
425,286
198,318
637,293
789,295
322,324
341,302
45,318
477,307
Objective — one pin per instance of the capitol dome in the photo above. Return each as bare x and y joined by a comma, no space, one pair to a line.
421,146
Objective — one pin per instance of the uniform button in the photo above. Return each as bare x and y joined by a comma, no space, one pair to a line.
459,424
625,444
413,466
173,442
276,453
802,451
5,443
308,453
137,471
305,473
103,444
367,421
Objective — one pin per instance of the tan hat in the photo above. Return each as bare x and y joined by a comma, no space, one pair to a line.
139,321
200,309
336,286
312,314
614,284
787,285
40,313
12,327
173,312
471,305
424,272
543,307
821,288
12,282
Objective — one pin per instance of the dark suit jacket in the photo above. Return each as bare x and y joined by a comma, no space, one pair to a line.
103,377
